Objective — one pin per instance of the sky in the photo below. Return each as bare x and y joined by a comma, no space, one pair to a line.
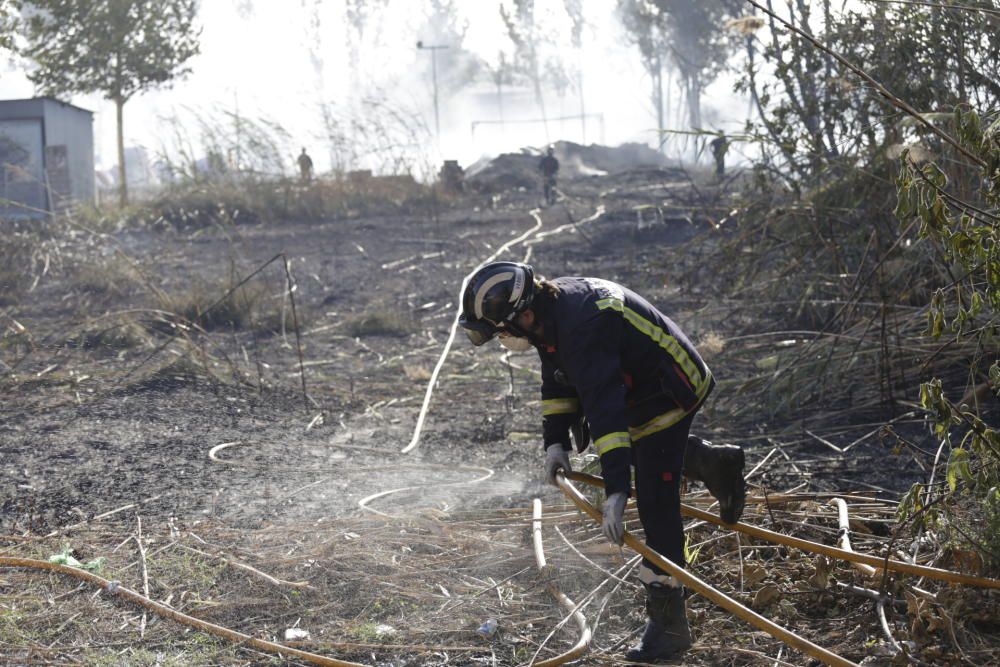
282,62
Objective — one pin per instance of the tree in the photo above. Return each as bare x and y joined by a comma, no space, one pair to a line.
524,33
699,45
574,10
820,119
444,26
879,113
962,222
8,27
688,36
117,48
647,28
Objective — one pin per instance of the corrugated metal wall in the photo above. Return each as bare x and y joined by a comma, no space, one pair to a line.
69,145
46,156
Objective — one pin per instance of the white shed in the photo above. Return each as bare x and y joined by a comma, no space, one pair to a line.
46,156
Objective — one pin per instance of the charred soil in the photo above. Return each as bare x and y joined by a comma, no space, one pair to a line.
264,429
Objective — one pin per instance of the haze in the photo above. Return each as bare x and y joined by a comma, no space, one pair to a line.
282,62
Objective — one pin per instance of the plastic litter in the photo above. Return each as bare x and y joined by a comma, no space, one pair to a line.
489,628
66,558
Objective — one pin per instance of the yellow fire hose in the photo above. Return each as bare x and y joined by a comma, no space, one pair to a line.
581,502
817,548
696,584
163,610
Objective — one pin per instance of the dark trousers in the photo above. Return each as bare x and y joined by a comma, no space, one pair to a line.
659,460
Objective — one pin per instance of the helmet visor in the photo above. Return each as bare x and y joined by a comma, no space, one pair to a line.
479,331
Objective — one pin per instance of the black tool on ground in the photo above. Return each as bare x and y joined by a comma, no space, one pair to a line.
720,467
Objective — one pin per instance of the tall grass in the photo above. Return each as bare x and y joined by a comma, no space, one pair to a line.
227,169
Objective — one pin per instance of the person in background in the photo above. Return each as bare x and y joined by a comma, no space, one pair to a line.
305,166
610,357
720,146
549,167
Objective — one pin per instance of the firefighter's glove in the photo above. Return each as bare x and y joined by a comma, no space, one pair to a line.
556,458
613,524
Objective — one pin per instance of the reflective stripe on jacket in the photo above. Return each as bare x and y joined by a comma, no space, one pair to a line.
619,360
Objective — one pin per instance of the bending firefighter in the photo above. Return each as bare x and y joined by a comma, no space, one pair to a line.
613,363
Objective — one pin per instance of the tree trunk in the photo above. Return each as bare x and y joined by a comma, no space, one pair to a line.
536,79
122,184
694,101
658,101
666,102
499,81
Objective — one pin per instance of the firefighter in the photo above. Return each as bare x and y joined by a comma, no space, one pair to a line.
305,166
719,146
612,359
549,167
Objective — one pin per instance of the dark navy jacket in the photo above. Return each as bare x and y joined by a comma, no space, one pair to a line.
614,358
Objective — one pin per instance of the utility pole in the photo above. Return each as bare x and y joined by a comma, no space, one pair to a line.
501,68
239,138
434,48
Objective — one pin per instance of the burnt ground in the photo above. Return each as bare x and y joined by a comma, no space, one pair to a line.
110,406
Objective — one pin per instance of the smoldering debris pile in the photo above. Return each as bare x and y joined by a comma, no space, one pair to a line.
511,171
595,160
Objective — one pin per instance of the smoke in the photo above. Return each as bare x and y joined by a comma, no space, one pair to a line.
304,64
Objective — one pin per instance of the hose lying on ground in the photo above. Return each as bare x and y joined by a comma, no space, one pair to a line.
167,612
844,536
817,548
696,584
415,440
583,643
432,383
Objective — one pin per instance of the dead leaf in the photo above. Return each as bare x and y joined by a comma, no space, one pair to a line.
753,575
766,596
821,575
914,604
859,526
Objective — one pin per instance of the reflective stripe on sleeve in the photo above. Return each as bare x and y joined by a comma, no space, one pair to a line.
606,443
664,340
560,406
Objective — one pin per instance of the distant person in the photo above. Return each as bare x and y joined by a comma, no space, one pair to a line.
452,177
305,166
549,166
611,357
720,146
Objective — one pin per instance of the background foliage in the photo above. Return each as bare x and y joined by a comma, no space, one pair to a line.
879,235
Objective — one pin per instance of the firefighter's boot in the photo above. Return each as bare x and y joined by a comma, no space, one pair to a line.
720,467
667,634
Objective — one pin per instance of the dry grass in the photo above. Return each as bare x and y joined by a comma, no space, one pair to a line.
417,587
221,305
110,278
420,373
26,253
111,334
244,199
434,577
379,323
711,344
